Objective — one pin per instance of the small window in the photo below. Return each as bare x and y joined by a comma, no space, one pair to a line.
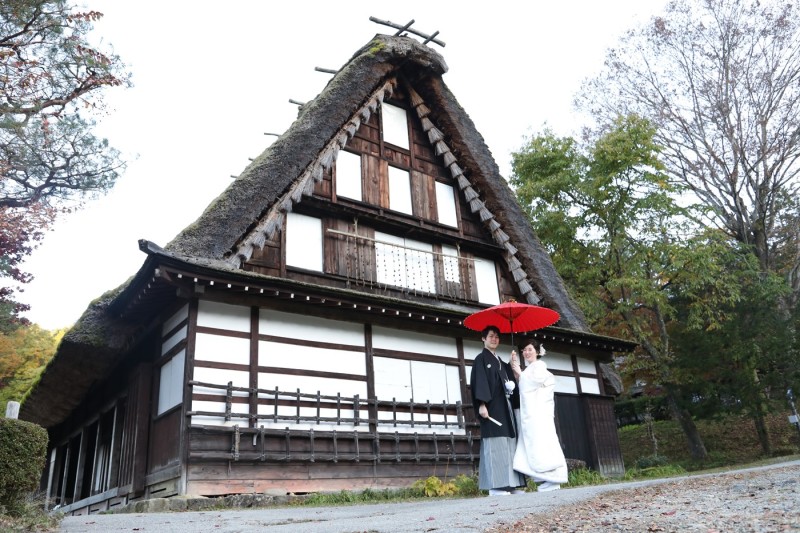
589,385
390,259
421,275
348,175
450,264
395,125
304,242
170,384
446,205
486,278
586,366
400,190
566,384
404,263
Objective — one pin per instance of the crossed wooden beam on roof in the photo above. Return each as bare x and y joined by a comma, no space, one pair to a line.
400,29
407,28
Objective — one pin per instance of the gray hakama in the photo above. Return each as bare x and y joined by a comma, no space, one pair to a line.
496,470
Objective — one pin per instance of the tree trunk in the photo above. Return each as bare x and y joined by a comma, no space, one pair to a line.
693,440
762,431
759,413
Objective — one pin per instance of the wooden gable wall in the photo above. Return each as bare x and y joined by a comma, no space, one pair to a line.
345,258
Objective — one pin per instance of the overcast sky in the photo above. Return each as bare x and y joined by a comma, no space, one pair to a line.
210,78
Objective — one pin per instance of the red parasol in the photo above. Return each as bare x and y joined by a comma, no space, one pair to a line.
512,317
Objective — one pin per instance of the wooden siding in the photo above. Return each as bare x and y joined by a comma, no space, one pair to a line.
226,461
165,439
352,265
587,429
603,435
571,427
220,478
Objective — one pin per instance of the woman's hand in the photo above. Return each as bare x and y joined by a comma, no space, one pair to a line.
515,364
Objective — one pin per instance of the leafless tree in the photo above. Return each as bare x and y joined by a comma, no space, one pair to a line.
721,80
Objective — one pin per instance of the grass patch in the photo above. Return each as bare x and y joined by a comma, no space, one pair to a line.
584,476
432,487
729,441
29,515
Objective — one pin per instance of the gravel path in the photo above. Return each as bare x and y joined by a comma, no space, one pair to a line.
763,500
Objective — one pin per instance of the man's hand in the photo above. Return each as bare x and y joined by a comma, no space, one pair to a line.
483,411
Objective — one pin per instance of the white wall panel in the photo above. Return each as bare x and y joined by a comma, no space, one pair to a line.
222,349
219,407
179,316
311,384
400,190
486,278
430,382
290,411
170,385
586,366
392,379
221,376
472,347
304,242
311,358
558,361
402,423
446,205
453,384
590,385
414,342
390,259
421,271
566,384
307,327
348,175
223,316
451,264
174,339
395,125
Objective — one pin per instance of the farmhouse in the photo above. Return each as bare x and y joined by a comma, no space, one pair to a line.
305,333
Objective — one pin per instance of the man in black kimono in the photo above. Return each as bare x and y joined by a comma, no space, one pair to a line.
494,388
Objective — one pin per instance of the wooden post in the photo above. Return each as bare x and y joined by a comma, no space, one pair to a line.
12,410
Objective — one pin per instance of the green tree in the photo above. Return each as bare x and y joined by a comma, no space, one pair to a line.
742,365
24,353
625,247
719,79
51,87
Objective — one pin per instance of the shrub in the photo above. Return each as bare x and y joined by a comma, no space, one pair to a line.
433,486
23,450
466,485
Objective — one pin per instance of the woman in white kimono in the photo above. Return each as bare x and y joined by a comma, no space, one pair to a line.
538,454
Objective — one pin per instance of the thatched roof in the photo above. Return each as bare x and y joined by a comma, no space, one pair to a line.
269,185
88,352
